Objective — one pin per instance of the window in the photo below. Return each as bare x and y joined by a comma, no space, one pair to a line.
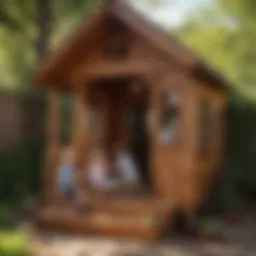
170,117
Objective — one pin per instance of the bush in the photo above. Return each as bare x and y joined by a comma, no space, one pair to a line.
238,181
241,131
20,167
6,216
211,225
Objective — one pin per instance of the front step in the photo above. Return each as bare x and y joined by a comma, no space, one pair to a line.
131,205
136,219
101,223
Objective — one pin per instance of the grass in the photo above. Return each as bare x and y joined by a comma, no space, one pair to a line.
14,242
212,225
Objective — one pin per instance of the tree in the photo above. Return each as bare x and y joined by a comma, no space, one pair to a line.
209,35
224,33
28,30
242,13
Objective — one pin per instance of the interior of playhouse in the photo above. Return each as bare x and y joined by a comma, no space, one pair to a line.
121,106
118,115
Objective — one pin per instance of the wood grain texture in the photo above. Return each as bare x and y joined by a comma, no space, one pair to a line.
112,220
180,173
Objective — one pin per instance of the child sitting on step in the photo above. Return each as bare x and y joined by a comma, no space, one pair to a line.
114,174
98,170
67,178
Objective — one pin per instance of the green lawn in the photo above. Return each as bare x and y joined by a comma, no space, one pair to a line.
14,243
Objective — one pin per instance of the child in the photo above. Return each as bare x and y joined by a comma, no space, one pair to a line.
127,168
98,170
67,179
118,173
66,174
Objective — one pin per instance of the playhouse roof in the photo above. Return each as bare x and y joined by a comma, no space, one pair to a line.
54,69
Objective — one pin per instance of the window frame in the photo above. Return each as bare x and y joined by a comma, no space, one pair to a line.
170,116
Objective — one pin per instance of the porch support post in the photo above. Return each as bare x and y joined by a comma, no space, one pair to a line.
152,80
80,136
52,148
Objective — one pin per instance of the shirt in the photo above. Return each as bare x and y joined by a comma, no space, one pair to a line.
96,173
127,167
66,177
98,177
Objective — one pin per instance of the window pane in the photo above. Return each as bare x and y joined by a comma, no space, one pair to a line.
170,117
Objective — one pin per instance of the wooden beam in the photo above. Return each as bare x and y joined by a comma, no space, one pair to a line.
81,131
110,69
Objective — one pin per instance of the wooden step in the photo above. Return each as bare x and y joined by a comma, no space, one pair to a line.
127,205
131,205
144,218
145,227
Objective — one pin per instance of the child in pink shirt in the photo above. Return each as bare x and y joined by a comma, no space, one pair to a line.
99,171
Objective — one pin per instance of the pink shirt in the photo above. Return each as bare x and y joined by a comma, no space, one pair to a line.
97,173
98,177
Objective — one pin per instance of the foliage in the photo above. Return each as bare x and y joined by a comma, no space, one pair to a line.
21,34
6,216
211,227
211,224
14,243
242,14
211,41
20,168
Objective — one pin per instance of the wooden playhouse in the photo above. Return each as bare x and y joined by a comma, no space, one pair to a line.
148,92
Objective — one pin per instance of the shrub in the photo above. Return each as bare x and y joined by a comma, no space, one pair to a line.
6,216
20,166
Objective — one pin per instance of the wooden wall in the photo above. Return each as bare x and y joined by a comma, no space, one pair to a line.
20,118
179,170
208,162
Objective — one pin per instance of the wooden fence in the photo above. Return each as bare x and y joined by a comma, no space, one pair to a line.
21,117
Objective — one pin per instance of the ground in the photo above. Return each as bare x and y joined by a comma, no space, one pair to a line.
240,241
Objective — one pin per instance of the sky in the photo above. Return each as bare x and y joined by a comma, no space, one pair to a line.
171,13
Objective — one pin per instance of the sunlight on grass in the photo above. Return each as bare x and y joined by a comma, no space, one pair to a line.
14,243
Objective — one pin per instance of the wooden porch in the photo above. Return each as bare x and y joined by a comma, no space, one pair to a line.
143,218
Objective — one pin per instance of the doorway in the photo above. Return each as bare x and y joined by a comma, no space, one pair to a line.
120,106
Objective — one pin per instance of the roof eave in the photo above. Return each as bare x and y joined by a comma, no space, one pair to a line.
202,70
